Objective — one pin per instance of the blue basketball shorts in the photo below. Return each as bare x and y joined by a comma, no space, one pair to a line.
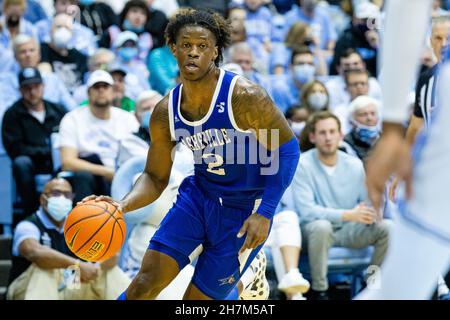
197,220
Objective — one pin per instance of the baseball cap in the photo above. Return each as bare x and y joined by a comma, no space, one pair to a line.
99,76
29,76
116,67
125,36
367,10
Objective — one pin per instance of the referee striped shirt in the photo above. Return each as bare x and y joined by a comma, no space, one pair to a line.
426,95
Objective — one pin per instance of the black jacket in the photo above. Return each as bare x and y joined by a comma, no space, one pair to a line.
23,134
353,38
361,148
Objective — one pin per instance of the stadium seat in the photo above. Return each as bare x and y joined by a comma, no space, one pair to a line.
344,265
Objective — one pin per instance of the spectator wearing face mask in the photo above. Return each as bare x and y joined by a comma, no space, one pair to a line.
12,22
315,97
356,84
364,118
300,34
83,38
137,143
68,63
297,117
33,12
362,36
42,262
287,88
134,18
127,56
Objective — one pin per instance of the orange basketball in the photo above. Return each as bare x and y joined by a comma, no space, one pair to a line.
95,231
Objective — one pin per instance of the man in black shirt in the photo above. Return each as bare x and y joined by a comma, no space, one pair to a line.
96,15
68,63
27,126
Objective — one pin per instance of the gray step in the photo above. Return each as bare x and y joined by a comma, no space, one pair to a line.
5,267
5,247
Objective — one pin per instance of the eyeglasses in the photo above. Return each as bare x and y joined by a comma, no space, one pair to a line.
58,193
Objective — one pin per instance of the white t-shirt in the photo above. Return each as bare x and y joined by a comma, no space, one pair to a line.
81,130
328,169
338,95
39,115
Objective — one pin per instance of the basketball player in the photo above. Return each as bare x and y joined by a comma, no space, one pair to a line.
420,243
219,116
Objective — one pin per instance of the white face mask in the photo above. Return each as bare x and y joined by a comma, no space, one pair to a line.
318,101
298,127
304,73
59,207
62,37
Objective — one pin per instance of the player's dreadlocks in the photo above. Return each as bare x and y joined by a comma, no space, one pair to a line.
212,21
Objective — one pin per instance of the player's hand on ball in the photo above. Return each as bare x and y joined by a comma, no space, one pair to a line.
102,198
88,271
257,228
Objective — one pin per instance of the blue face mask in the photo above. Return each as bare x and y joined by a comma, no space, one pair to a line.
128,26
367,134
59,207
128,54
145,119
304,73
86,2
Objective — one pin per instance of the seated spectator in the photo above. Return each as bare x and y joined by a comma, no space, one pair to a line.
350,59
90,136
97,16
315,97
137,143
241,54
83,38
287,87
356,84
163,69
330,197
27,126
258,22
12,23
360,37
260,54
308,12
133,18
43,264
120,99
438,10
33,12
127,55
297,117
365,121
285,242
68,63
28,55
299,35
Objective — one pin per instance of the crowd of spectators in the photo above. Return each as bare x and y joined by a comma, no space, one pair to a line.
83,77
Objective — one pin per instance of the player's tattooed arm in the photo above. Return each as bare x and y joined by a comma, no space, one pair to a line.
253,109
156,174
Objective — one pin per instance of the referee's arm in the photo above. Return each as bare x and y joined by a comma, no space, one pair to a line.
416,121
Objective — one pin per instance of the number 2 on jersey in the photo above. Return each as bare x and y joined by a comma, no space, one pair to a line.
212,166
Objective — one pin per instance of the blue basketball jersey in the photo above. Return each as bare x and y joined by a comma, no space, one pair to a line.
228,161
